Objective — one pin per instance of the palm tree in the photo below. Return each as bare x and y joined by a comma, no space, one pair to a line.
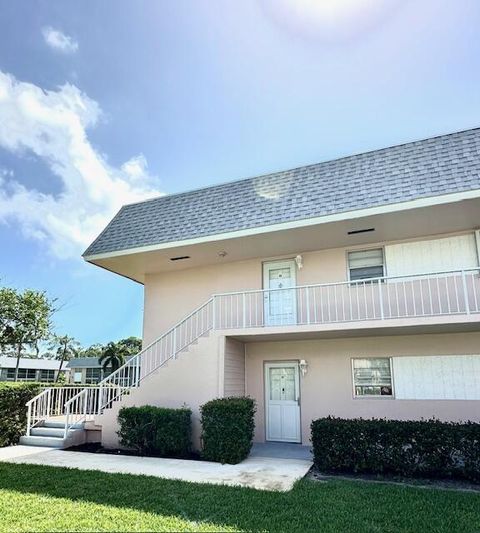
65,348
113,357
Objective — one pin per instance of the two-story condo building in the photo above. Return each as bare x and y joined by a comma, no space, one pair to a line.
348,288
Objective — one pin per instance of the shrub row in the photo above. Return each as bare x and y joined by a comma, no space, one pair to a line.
13,413
427,448
227,425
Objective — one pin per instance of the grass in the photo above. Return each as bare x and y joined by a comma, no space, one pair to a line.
41,498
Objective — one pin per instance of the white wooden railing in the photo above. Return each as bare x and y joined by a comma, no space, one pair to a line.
390,297
49,403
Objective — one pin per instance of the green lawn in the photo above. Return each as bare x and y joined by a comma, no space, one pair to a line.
38,498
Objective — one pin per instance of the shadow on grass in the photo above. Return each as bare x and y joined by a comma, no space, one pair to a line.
329,506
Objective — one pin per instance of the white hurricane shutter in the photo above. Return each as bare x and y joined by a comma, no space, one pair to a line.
449,253
440,377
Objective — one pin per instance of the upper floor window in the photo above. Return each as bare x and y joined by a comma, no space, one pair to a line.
365,264
372,376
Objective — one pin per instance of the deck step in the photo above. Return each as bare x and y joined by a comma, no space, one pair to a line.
45,431
48,442
60,424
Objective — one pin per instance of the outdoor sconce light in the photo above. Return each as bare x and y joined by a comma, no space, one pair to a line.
299,261
303,367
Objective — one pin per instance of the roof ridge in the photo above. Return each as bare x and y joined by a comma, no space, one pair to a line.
300,167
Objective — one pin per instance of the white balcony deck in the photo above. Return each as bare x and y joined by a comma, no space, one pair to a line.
415,301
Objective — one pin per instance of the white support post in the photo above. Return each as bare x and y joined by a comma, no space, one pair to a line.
307,303
244,310
29,419
465,293
175,343
214,313
100,400
380,298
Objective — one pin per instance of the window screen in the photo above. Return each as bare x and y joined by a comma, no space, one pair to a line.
24,374
365,264
93,375
47,375
372,377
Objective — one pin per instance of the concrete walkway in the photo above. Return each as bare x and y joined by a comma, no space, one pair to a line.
282,450
263,473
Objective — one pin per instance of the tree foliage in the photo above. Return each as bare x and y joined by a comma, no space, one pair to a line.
64,348
25,319
113,356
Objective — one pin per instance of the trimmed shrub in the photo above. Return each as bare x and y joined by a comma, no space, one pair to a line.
227,429
13,413
156,431
426,448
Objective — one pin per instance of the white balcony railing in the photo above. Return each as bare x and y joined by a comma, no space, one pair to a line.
389,297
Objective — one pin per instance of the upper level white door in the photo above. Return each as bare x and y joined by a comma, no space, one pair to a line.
280,303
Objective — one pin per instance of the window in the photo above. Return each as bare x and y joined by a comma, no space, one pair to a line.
93,375
77,376
372,377
24,374
365,264
47,375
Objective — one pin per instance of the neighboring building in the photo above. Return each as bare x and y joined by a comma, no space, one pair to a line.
86,370
348,288
43,370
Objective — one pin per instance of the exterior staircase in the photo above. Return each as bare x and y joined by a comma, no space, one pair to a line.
58,416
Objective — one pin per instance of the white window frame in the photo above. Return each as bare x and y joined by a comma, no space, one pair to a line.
372,396
347,261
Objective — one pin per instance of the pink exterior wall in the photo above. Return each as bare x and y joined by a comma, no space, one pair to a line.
190,380
327,387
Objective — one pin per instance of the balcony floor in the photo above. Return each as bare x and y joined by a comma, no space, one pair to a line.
395,326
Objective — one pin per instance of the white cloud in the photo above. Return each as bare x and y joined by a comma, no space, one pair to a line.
53,125
59,41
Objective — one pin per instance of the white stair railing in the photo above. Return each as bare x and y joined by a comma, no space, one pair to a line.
168,346
49,403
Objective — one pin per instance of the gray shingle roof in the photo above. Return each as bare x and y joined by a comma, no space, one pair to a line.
439,165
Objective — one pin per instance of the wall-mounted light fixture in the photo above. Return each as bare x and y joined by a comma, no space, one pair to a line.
299,261
303,367
222,253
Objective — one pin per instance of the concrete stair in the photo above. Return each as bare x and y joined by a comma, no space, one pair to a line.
51,434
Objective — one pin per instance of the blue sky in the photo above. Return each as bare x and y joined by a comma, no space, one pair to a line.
107,102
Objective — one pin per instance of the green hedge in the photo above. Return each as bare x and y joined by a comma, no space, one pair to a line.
227,429
427,448
13,413
156,431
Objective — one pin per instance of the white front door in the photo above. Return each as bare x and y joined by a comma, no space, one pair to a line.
280,305
282,400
